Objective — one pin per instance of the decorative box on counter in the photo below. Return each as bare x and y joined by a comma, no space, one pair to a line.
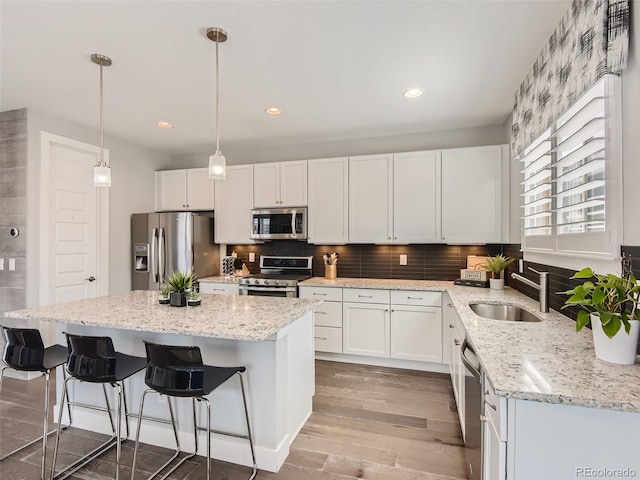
468,274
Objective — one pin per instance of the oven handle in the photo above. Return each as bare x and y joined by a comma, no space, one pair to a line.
267,289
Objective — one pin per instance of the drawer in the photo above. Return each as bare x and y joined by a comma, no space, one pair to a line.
416,297
365,295
328,339
492,408
219,288
321,293
328,314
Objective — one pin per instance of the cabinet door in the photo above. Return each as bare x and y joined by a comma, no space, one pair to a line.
416,333
370,199
365,329
293,184
266,187
328,221
494,452
234,201
200,190
416,197
171,190
472,195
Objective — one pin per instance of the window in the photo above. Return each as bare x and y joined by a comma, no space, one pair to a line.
571,181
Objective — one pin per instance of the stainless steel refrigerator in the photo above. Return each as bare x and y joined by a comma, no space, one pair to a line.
166,242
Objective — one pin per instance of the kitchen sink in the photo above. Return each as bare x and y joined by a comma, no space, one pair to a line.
510,313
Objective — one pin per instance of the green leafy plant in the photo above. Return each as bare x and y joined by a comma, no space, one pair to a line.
614,299
497,264
194,294
180,282
165,290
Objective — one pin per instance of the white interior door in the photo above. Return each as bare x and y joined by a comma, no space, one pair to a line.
74,222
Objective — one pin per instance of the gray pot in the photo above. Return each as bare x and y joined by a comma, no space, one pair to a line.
177,299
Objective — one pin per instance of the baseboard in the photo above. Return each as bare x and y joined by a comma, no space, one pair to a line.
384,362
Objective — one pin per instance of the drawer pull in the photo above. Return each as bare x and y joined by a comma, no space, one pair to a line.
450,326
320,311
320,294
449,305
457,342
483,418
321,338
218,290
415,298
490,405
365,296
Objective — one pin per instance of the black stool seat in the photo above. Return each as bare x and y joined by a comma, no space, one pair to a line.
178,371
24,350
94,360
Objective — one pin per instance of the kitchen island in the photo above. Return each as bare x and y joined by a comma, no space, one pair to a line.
272,337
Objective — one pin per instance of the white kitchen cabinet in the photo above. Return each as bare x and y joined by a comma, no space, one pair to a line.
416,197
472,195
327,317
328,188
494,435
370,199
280,184
416,333
186,189
366,329
455,333
234,201
395,198
219,288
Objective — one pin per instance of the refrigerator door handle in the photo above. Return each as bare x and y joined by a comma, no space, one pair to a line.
154,262
162,258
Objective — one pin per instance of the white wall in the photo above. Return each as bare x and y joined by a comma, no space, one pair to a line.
132,191
238,155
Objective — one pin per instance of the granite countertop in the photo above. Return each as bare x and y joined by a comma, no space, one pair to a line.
220,316
543,361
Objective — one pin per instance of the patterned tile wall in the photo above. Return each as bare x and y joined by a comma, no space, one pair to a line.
13,207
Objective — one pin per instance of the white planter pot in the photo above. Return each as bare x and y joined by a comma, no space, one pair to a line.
620,349
496,283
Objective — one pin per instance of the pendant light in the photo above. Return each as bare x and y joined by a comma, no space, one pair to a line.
102,171
217,162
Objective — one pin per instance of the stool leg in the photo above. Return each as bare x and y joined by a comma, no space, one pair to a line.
45,422
2,376
64,378
106,399
126,412
55,445
208,404
118,387
195,425
135,448
249,435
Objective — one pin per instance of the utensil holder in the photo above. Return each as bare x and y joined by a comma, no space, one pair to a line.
330,272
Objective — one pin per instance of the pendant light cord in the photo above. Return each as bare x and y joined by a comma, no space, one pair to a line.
217,99
102,163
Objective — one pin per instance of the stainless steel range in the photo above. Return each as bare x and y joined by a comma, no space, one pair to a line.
278,277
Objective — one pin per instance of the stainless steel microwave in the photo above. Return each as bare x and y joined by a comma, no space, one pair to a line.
279,224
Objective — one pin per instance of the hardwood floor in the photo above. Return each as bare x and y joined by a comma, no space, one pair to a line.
371,423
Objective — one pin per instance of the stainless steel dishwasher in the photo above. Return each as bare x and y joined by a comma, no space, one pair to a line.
473,411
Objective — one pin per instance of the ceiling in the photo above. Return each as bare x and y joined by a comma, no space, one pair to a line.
336,68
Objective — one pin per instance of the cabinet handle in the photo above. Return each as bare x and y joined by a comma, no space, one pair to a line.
320,338
320,311
490,405
388,238
395,238
457,342
450,326
449,305
320,294
218,290
483,418
365,296
444,238
415,298
392,310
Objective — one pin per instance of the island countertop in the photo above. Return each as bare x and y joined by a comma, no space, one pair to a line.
220,316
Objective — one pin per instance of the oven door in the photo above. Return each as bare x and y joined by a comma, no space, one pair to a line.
279,224
258,291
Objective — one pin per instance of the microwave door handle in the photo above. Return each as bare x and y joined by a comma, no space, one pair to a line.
293,224
154,261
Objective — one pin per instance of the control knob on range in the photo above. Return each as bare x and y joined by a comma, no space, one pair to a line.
266,282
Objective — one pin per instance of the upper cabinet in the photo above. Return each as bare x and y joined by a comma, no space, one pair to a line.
472,195
281,184
395,198
328,201
234,201
186,189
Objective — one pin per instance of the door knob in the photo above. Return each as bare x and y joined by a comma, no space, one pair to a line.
91,278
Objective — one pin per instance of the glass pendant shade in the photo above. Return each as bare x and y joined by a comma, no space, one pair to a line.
102,175
217,166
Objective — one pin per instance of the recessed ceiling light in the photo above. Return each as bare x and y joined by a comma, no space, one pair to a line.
273,111
164,124
412,93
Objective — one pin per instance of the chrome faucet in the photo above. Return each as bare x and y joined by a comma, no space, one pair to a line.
543,288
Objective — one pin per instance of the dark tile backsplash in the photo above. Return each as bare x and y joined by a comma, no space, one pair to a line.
424,262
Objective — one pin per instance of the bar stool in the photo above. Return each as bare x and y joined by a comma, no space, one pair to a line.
94,360
25,351
178,371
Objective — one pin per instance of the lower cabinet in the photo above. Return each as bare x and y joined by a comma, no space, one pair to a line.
327,317
366,329
220,288
416,333
494,435
454,336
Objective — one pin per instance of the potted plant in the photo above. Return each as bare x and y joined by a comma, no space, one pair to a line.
163,295
609,302
496,265
180,284
193,298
